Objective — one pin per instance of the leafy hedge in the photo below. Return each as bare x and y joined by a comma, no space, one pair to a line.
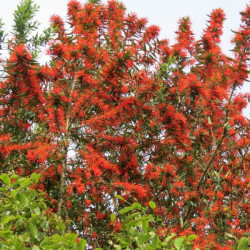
27,223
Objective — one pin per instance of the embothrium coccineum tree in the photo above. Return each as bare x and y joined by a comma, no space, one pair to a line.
118,111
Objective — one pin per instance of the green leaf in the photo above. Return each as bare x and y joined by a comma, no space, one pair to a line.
36,210
143,239
244,243
113,217
131,223
70,238
35,248
230,236
56,238
125,210
6,179
209,120
33,230
152,205
165,242
7,219
155,242
145,226
61,226
35,177
149,217
191,237
119,197
23,198
94,1
25,237
81,244
136,205
25,183
178,242
19,245
45,240
123,242
6,234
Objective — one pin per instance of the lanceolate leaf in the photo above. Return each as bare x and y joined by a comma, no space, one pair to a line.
5,178
33,230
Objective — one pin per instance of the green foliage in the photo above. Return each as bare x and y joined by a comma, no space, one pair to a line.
24,27
139,232
94,1
244,243
25,221
23,19
2,34
27,224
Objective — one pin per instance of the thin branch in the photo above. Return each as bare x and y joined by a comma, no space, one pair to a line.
65,155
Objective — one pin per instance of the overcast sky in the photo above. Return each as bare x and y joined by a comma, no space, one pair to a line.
164,13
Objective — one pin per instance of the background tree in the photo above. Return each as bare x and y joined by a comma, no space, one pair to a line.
116,111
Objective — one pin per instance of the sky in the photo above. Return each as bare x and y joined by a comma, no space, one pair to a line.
164,13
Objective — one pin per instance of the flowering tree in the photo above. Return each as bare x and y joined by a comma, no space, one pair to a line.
117,111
